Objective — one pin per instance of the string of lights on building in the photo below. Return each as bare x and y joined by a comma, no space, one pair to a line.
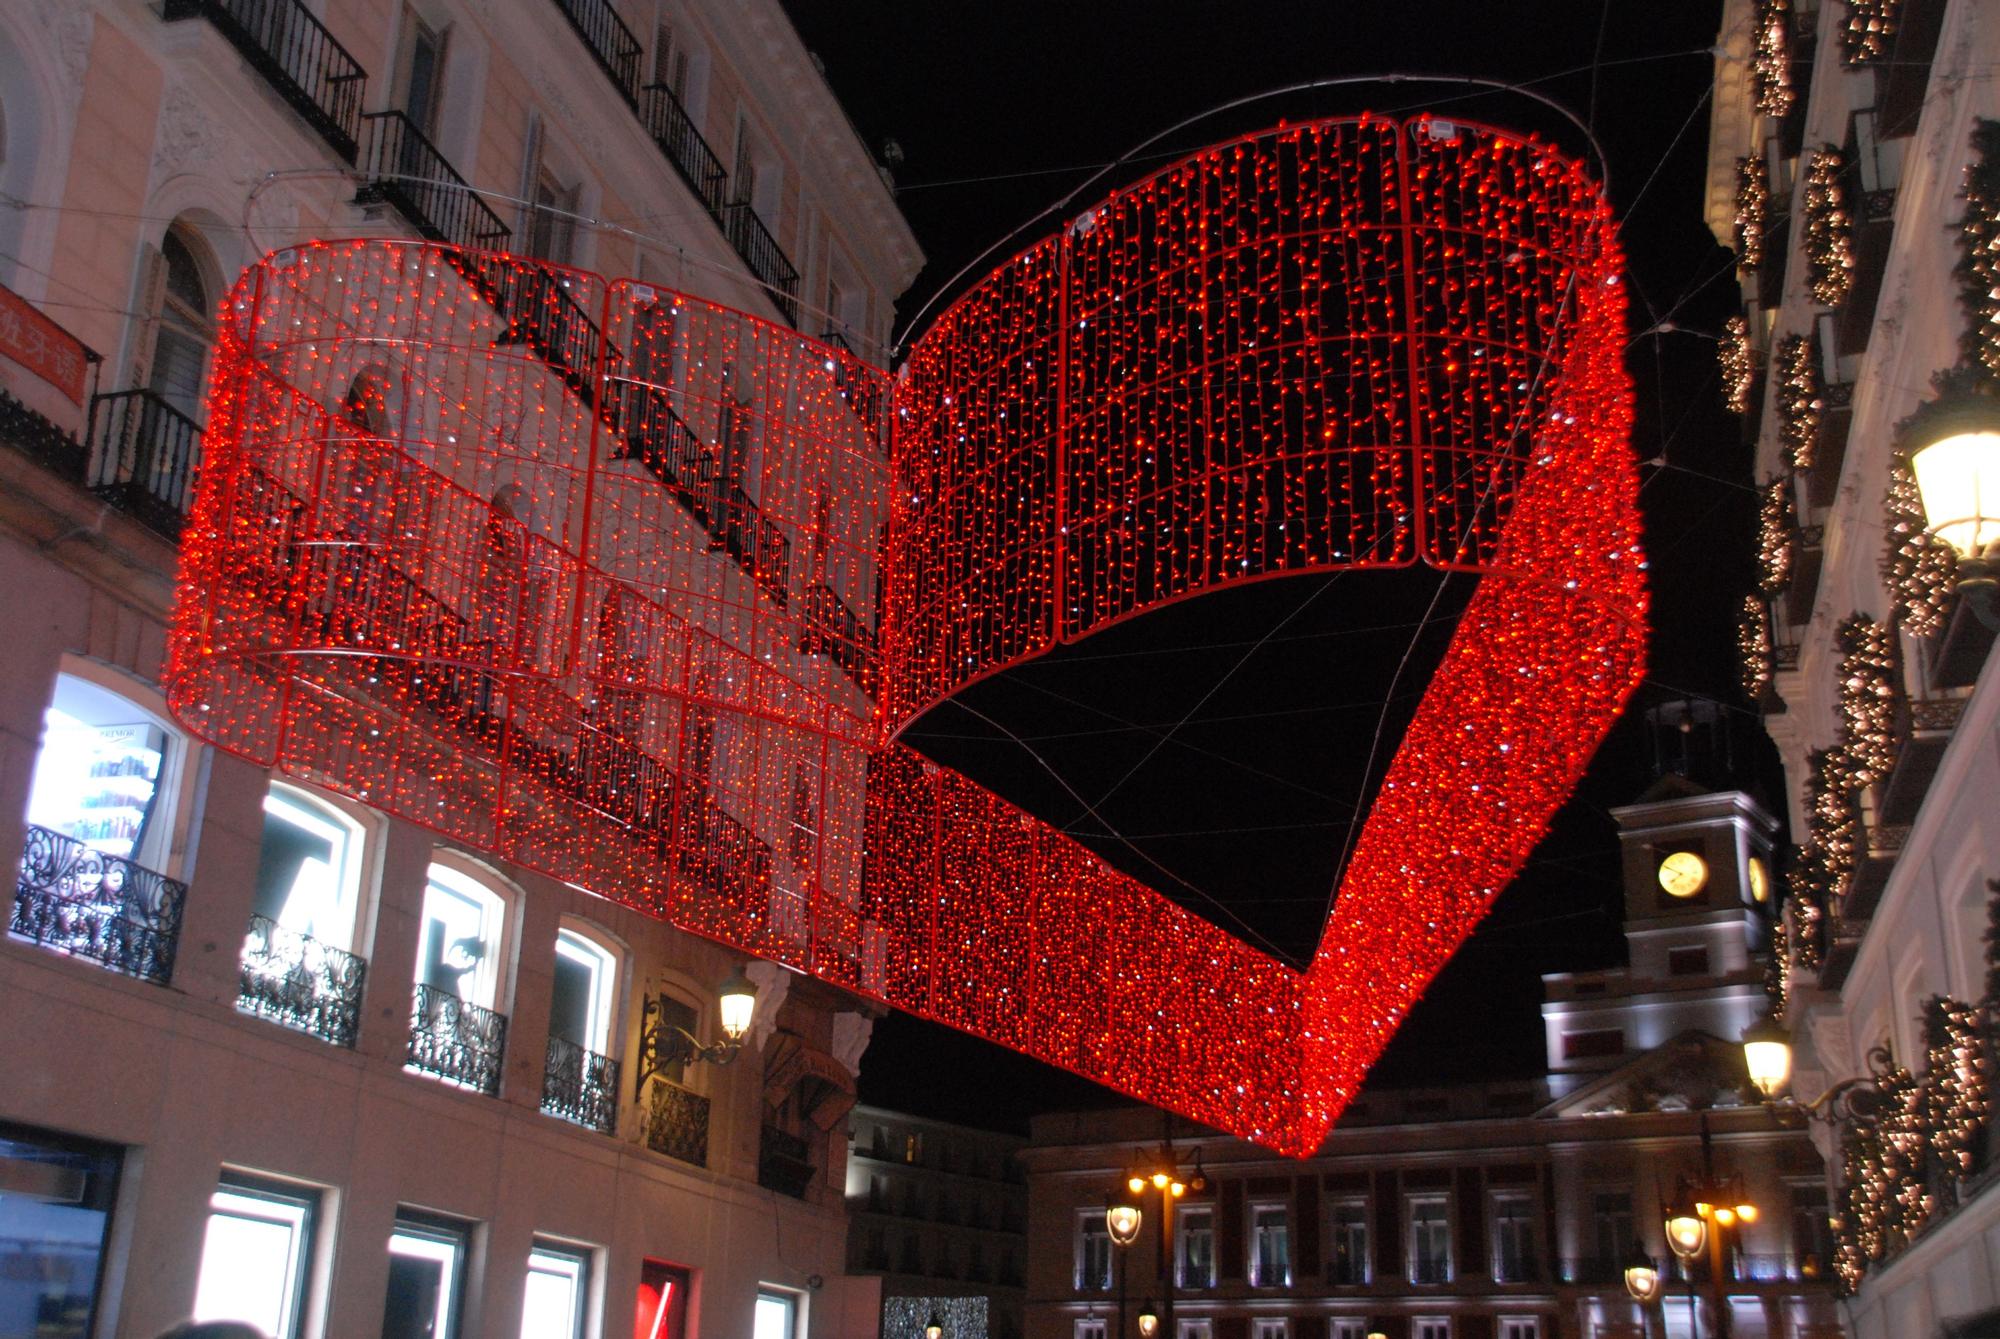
1771,60
1737,362
1917,567
1978,267
1753,212
1777,537
1801,398
1828,233
1870,699
1868,31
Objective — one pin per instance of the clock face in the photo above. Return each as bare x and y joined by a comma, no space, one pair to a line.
1683,874
1760,879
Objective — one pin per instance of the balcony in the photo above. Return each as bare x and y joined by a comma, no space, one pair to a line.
1924,732
659,439
297,56
457,1041
1809,557
299,982
784,1163
611,43
677,1123
580,1085
850,379
542,315
144,454
674,131
1430,1270
1969,633
405,171
831,628
75,899
1874,172
760,251
1900,80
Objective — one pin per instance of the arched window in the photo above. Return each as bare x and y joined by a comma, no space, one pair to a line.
103,774
309,867
366,404
459,946
183,320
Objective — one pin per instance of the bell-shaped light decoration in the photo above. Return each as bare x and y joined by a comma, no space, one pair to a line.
1767,1054
736,999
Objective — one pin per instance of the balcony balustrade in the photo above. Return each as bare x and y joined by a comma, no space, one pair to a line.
1970,631
862,393
404,170
611,43
457,1041
297,56
1924,730
543,315
1810,557
761,252
673,130
296,980
677,1123
76,899
1901,80
831,628
580,1085
784,1163
144,456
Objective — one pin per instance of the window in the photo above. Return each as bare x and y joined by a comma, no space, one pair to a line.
670,62
913,1148
1197,1329
102,773
1270,1246
583,995
1687,961
1093,1252
1520,1327
676,1016
1268,1327
1592,1045
1197,1248
256,1254
1090,1329
558,1292
663,1301
308,867
53,1221
426,1279
1812,1234
459,946
1611,1225
552,221
1430,1240
419,84
183,321
1347,1242
1350,1329
777,1315
1430,1327
1514,1257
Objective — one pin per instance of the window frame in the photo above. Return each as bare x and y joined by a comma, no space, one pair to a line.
418,1228
792,1300
1530,1257
1183,1239
1430,1327
582,1259
162,846
497,900
305,1205
1090,1227
1270,1327
1427,1200
1337,1231
1523,1327
1257,1236
584,941
357,848
1088,1327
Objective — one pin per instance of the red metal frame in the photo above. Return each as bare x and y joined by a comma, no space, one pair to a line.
585,574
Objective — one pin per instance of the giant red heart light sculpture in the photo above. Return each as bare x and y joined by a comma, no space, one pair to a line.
636,590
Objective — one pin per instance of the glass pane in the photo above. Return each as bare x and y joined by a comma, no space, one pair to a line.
303,870
98,769
52,1227
570,1000
423,1276
553,1307
774,1317
460,937
249,1266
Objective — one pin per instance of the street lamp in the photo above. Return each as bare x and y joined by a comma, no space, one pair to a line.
1767,1055
662,1043
1122,1222
1642,1278
935,1329
1149,1320
1165,1177
1953,443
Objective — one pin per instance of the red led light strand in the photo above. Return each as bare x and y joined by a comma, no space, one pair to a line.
590,575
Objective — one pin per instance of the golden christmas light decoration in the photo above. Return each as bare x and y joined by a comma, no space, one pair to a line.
1753,646
1736,363
1829,228
1753,211
1801,392
1871,697
1917,567
1777,537
1771,61
1978,268
1869,30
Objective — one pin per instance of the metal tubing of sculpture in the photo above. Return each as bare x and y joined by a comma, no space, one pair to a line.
636,591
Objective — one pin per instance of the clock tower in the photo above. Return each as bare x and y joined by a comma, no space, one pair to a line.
1699,899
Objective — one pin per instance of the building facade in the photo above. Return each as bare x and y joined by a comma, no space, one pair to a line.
1491,1211
273,1054
939,1211
1849,140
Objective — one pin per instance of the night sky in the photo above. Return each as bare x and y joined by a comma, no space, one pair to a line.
1227,741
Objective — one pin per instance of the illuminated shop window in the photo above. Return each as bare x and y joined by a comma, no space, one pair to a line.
426,1279
256,1255
101,773
558,1293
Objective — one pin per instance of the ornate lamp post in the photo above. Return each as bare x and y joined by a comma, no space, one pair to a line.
1164,1175
1953,444
1121,1223
1704,1210
1642,1281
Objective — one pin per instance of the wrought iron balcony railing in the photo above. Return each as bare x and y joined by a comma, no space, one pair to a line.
298,57
860,392
611,43
1518,1269
404,170
42,440
832,628
677,1122
457,1041
75,899
1429,1271
143,458
760,251
580,1085
784,1163
542,314
296,980
757,543
668,122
